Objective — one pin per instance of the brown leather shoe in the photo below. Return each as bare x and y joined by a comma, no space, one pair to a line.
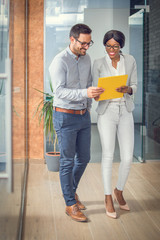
80,205
74,212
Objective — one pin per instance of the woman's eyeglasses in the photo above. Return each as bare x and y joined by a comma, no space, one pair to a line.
115,47
85,44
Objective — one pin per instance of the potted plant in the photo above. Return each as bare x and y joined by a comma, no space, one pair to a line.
45,111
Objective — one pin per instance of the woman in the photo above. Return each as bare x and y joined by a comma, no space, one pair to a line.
115,117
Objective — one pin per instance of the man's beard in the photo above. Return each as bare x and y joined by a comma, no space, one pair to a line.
81,53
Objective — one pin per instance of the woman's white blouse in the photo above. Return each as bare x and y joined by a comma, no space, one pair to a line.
115,72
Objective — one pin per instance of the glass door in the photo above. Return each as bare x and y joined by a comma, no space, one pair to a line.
136,49
13,162
5,98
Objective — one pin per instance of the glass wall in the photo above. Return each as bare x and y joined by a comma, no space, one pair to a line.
151,72
101,16
136,26
12,117
136,20
4,54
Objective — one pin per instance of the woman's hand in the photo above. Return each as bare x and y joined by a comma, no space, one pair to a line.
124,89
96,98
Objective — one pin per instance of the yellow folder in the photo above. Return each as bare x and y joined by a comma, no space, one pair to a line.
110,84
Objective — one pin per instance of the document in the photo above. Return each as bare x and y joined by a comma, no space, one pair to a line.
110,84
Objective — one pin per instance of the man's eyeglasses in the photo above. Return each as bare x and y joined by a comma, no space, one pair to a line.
85,44
115,47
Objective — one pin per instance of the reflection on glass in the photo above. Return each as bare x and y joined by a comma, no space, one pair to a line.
2,127
136,49
4,31
10,203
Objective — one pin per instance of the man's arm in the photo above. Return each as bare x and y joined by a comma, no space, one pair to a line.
58,71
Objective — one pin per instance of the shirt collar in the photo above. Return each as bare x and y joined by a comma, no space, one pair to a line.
108,58
71,53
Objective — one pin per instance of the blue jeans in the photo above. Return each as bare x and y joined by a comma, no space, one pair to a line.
74,137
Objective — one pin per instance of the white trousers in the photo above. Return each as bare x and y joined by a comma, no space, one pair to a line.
116,120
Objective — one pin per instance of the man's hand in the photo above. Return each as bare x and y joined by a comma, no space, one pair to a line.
94,92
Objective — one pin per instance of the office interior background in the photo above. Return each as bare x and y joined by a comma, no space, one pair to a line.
31,34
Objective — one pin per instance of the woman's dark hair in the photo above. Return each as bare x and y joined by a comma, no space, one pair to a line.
116,35
77,29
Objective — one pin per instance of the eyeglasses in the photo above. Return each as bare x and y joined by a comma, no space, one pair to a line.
85,44
114,47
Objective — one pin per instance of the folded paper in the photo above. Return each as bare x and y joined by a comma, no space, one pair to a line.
110,84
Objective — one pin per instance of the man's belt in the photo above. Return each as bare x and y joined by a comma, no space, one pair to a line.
71,111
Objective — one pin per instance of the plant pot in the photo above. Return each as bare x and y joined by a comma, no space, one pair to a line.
52,161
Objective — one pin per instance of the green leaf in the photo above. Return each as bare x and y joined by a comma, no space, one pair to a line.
44,111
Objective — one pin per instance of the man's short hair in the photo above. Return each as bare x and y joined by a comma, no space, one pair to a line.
77,29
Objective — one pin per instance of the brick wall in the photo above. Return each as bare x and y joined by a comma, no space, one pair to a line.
151,65
152,93
35,76
17,54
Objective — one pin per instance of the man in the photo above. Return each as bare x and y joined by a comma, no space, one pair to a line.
70,73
